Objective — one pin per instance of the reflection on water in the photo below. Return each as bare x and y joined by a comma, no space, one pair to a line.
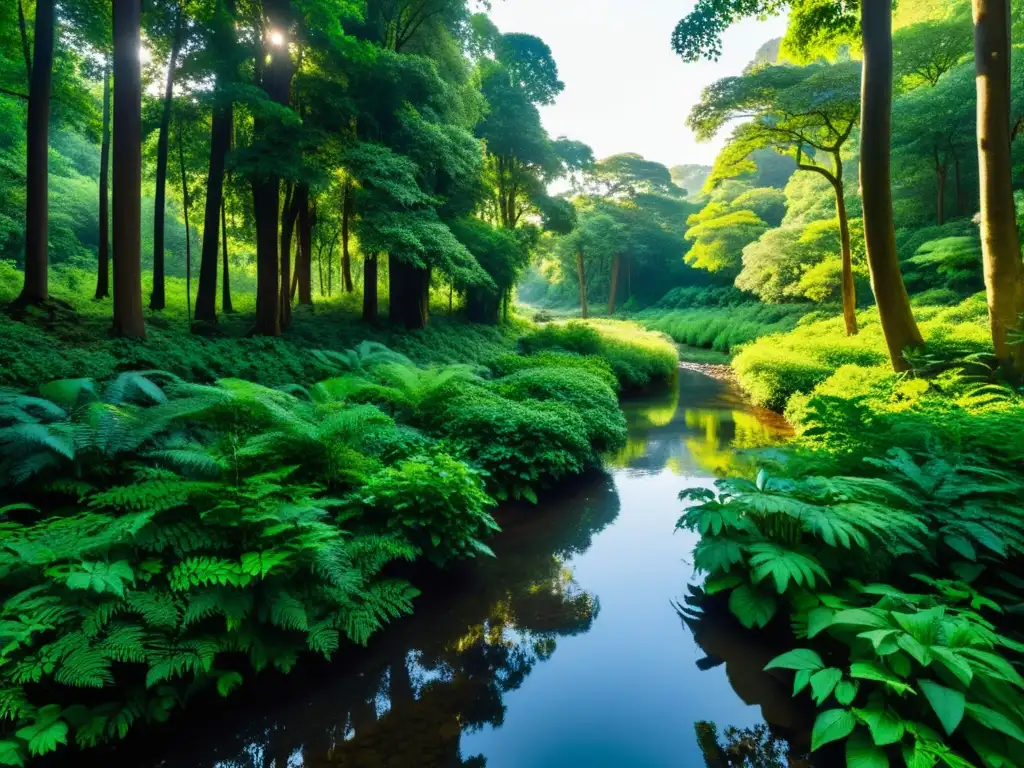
562,651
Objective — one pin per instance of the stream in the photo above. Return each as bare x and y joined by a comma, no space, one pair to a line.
565,650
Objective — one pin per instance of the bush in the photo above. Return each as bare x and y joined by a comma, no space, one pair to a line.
727,328
505,365
638,358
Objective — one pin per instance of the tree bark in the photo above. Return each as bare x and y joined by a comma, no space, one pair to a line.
36,287
158,298
289,215
103,254
848,288
897,319
1000,241
408,294
304,262
127,171
225,297
583,285
26,49
275,78
370,308
346,220
188,230
616,262
959,185
220,144
941,171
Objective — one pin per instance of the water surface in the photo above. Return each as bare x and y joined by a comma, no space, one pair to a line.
566,650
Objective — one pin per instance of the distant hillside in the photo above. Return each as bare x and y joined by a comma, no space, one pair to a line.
690,177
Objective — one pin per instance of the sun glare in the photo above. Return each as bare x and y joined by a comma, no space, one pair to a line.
276,38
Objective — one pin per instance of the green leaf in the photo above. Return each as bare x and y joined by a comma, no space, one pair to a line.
997,721
46,733
717,584
861,617
824,682
819,620
947,704
957,665
801,680
11,753
882,639
862,753
909,644
869,670
800,658
831,725
962,546
885,725
227,682
101,577
846,692
751,607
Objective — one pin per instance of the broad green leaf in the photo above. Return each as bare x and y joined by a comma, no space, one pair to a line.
227,682
922,626
823,682
957,665
997,721
801,680
717,584
885,725
11,753
947,704
46,733
819,620
862,753
869,670
831,725
909,644
799,658
751,607
961,545
882,639
861,617
846,692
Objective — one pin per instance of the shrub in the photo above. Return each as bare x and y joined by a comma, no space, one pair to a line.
505,365
724,329
638,358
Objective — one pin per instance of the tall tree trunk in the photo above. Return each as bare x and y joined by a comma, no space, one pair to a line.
103,255
370,308
960,207
583,285
347,209
220,144
158,298
225,297
188,230
408,294
1000,241
127,171
275,78
26,48
941,171
289,215
304,264
36,287
898,324
616,263
848,288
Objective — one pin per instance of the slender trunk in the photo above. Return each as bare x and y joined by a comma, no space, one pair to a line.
1000,241
629,278
26,48
287,229
188,230
220,144
158,298
103,255
897,319
941,171
848,289
304,262
583,285
346,220
408,294
275,78
36,287
959,185
127,171
370,289
616,262
320,271
225,297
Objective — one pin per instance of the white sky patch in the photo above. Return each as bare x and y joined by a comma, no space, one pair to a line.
626,90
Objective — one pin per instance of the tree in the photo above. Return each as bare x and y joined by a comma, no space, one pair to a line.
897,319
36,287
806,112
1001,255
103,252
127,187
924,52
719,234
157,299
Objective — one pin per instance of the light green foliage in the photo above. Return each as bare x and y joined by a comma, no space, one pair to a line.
719,234
639,359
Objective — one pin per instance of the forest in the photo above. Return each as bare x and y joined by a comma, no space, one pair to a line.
360,309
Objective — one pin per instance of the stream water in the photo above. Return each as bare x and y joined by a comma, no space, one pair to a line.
565,650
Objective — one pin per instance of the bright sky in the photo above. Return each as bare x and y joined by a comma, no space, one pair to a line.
625,88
